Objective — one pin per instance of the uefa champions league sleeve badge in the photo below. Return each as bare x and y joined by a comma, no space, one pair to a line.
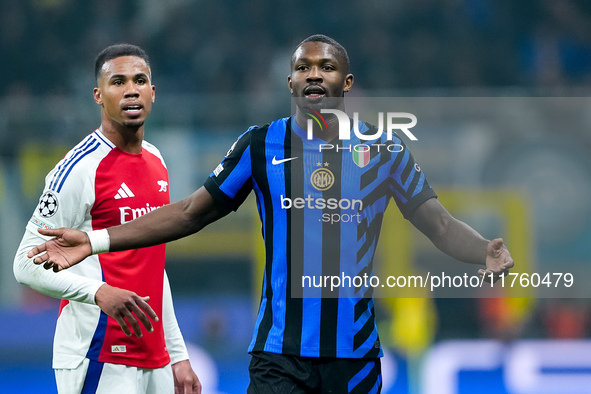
47,205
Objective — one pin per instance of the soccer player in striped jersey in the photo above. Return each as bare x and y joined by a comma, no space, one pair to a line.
321,213
112,177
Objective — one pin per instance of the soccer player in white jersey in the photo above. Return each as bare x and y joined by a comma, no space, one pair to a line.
112,177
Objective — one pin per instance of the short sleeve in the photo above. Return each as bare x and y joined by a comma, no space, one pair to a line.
408,183
231,181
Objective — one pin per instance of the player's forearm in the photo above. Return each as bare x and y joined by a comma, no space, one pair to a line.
461,242
64,285
175,343
166,224
159,226
448,234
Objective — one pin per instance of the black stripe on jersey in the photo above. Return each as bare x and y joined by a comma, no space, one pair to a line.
292,337
328,324
396,163
407,170
331,233
257,152
407,209
331,257
372,173
361,307
222,200
378,192
362,335
372,232
374,352
361,229
367,270
369,381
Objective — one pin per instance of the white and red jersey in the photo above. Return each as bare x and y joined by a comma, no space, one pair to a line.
95,186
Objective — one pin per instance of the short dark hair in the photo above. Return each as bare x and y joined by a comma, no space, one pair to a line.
327,40
115,51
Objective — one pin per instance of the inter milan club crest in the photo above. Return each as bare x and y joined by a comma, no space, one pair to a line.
322,178
361,158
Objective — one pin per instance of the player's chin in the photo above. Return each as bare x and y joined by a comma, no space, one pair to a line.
133,123
316,103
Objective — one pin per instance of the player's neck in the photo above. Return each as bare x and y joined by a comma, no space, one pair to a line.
128,139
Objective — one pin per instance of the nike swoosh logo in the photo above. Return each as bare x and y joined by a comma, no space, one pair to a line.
275,161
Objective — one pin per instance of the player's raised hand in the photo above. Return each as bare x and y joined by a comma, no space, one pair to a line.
126,307
498,261
68,248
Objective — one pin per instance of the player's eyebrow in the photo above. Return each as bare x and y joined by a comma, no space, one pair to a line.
322,60
304,60
124,76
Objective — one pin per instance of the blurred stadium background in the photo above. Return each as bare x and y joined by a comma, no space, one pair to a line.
521,169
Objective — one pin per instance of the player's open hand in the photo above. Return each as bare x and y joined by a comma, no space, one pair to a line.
69,247
126,307
498,261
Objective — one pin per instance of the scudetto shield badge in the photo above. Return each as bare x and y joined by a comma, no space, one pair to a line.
361,158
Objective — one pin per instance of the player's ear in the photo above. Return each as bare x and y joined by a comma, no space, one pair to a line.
348,82
153,93
97,96
289,84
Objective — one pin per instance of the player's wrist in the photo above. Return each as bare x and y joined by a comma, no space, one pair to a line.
99,241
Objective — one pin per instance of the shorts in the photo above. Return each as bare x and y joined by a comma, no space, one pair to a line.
284,374
93,377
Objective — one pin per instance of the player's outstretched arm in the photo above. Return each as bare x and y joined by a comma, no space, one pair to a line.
461,241
168,223
162,225
126,307
69,247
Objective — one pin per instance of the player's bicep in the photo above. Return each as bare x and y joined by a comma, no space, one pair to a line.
202,208
62,285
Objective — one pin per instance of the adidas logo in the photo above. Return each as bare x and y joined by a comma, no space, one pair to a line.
124,192
118,349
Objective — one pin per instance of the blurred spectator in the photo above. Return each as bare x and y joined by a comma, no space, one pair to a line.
227,46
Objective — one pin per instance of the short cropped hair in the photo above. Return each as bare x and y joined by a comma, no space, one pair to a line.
115,51
327,40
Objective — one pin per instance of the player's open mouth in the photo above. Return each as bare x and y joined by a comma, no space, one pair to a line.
132,109
314,91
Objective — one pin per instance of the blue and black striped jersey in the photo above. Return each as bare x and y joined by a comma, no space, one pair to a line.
321,206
